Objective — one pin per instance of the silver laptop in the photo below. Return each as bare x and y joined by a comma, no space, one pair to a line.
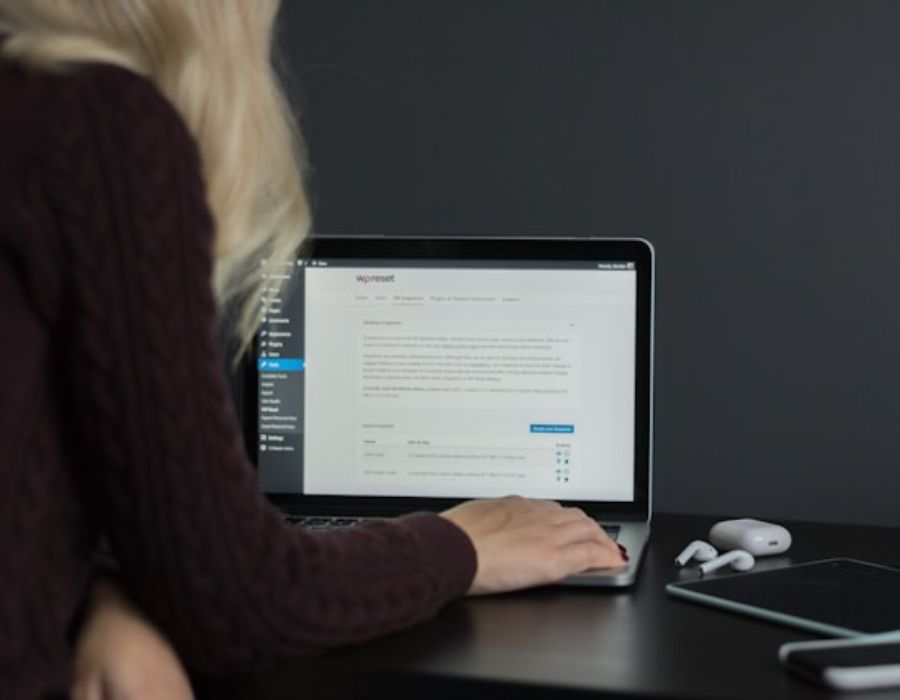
402,374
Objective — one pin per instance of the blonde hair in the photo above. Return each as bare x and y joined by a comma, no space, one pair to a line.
212,60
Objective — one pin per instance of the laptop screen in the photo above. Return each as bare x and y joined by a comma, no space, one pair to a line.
449,378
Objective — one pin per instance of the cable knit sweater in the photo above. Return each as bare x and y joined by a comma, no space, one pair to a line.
115,419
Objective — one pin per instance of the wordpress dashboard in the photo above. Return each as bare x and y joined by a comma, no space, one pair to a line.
409,378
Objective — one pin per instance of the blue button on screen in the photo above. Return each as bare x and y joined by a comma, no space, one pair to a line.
552,428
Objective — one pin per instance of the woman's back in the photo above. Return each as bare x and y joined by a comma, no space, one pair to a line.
114,416
46,540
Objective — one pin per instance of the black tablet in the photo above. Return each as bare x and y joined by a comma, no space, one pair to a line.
834,597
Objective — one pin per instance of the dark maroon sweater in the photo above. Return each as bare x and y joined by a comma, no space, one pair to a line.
115,419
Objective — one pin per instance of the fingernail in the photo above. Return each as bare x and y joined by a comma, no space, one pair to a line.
624,552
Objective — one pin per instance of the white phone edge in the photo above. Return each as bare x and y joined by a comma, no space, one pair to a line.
852,678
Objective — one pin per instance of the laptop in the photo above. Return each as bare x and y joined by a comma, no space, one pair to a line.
400,374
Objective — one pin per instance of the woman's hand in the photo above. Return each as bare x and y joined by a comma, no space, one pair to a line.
522,542
121,656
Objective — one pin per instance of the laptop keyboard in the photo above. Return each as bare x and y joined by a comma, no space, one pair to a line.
324,522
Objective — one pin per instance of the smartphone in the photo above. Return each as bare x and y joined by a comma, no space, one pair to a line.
861,663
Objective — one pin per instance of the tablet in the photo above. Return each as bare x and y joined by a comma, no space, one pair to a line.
834,597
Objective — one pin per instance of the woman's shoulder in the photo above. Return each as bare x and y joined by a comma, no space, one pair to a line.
81,96
121,88
90,151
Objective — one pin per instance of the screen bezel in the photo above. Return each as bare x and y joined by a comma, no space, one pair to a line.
638,251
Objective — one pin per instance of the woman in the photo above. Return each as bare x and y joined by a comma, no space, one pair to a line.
149,166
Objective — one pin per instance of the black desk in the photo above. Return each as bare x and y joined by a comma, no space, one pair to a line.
558,642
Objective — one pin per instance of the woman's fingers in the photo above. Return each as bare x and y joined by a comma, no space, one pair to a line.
584,530
569,515
588,555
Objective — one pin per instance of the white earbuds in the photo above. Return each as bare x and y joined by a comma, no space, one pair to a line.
738,558
699,550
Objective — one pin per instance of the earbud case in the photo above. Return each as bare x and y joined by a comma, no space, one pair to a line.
755,536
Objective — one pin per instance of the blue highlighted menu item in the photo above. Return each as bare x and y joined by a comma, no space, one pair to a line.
280,364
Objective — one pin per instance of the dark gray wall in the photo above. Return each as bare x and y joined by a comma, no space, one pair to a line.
756,144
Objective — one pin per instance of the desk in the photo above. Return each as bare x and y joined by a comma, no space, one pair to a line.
560,642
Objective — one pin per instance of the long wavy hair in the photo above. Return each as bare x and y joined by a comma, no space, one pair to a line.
213,60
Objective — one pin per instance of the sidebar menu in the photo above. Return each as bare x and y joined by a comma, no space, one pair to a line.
281,367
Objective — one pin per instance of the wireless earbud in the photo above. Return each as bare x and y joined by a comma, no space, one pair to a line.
738,558
699,550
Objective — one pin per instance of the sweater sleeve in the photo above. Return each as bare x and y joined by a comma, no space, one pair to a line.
159,447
